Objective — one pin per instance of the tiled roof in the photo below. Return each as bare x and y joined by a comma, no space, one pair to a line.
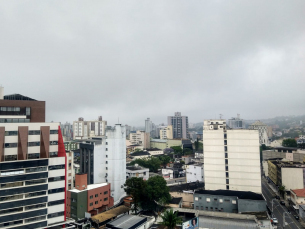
299,192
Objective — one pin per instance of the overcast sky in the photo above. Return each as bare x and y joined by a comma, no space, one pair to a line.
137,59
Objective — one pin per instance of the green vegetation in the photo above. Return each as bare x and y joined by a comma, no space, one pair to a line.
135,187
290,142
198,145
177,150
149,195
152,163
164,160
171,219
282,190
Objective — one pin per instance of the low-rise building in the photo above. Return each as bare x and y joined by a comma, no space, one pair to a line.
166,132
229,201
155,151
90,199
140,155
139,137
297,197
199,154
137,171
168,173
195,172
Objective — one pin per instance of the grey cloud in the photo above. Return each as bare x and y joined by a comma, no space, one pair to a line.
138,59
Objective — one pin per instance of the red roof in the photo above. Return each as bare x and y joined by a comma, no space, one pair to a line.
299,192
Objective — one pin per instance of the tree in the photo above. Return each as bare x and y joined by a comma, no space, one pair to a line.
152,163
282,190
164,160
187,151
135,188
290,142
171,219
156,193
177,149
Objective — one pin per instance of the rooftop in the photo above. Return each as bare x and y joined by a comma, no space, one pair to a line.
299,192
239,194
139,153
158,140
134,168
186,187
17,97
89,187
102,217
127,222
258,123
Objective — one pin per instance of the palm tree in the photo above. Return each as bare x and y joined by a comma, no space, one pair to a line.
171,219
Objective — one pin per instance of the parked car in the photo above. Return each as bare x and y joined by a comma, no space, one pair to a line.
282,202
274,220
296,217
276,197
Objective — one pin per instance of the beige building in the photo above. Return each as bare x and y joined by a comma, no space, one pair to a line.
140,137
88,129
166,132
262,130
298,196
231,157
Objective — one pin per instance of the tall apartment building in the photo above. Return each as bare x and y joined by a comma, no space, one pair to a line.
89,129
180,125
166,132
150,128
140,137
67,131
231,157
104,160
262,130
236,123
32,167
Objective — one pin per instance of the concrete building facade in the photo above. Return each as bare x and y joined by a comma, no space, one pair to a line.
137,171
262,130
231,157
104,160
166,132
140,138
88,129
195,173
180,125
236,123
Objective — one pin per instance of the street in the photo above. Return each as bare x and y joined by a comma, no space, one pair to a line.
279,209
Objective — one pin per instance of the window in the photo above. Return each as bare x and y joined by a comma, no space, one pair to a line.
32,170
32,182
106,162
91,204
227,181
201,207
12,172
197,207
10,145
56,178
53,142
96,195
227,168
34,132
55,167
196,198
33,155
106,192
227,174
27,111
11,133
13,184
55,214
226,148
53,131
11,210
10,158
226,161
106,149
4,225
225,142
96,202
211,208
106,168
105,199
233,201
91,197
226,155
27,195
215,199
227,187
56,190
35,219
35,206
106,156
220,200
208,199
33,143
15,197
53,154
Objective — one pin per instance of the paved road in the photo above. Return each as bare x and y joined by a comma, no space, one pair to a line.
279,209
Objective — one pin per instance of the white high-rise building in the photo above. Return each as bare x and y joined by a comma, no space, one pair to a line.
180,125
104,160
262,130
231,157
89,129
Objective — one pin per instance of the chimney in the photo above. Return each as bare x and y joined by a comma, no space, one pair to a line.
81,181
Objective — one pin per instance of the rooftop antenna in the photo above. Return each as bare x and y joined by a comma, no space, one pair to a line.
220,116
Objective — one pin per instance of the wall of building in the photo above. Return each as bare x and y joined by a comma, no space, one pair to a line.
215,203
187,198
251,205
293,178
195,173
159,145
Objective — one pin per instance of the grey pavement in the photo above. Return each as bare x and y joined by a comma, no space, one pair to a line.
278,209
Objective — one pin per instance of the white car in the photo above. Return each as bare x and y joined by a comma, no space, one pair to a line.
274,220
